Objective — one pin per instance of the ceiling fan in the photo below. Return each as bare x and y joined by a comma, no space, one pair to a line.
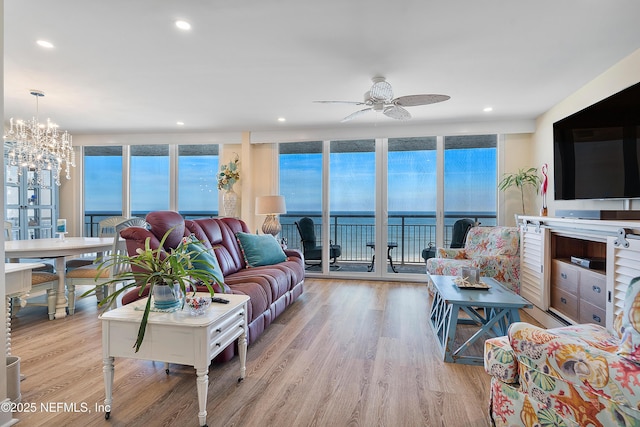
380,98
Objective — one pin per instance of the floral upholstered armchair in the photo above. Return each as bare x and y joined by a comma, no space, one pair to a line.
494,250
579,375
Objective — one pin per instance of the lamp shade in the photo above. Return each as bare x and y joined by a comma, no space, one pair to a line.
270,205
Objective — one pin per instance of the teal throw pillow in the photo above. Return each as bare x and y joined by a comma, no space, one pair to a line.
205,260
260,249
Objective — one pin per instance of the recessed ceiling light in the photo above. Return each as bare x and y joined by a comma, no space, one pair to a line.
487,109
180,123
45,43
282,119
183,25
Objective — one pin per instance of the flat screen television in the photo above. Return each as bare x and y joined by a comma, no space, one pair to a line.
596,151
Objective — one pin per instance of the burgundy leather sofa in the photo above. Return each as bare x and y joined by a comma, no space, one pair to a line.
271,288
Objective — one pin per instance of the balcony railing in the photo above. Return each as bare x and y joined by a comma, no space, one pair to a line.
412,233
352,231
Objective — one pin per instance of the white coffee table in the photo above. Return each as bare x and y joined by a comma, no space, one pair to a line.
176,337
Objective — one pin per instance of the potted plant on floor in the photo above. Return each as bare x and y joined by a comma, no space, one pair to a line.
521,179
167,276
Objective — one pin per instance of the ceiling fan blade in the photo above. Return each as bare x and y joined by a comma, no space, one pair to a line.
396,112
414,100
356,114
341,102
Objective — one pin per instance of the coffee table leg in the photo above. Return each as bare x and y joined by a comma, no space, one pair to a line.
242,352
202,384
107,370
451,323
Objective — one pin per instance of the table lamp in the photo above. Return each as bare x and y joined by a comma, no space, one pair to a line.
270,206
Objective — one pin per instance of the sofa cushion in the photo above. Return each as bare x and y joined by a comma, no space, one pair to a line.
204,258
163,221
492,241
630,343
260,249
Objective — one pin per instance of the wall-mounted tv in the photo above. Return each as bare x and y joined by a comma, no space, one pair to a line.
596,151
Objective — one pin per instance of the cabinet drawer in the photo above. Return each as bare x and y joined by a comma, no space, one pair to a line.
589,313
593,289
564,302
564,276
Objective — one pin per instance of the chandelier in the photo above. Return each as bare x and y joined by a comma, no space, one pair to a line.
40,147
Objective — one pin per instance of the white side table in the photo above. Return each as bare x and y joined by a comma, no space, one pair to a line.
176,337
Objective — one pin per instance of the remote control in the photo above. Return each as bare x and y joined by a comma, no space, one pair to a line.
220,300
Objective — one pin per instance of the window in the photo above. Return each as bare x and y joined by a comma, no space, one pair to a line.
102,185
411,196
301,186
197,184
149,184
470,179
391,183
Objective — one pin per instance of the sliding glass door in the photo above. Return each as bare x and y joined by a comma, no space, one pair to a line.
470,181
352,203
301,185
390,200
411,201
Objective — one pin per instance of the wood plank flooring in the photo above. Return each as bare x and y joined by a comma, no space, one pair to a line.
346,353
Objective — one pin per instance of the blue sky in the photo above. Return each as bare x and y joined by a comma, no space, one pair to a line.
470,182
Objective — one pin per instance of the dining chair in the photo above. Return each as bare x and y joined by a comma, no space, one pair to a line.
92,274
106,228
42,283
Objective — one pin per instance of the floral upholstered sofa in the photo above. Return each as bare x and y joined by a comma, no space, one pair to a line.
494,250
579,375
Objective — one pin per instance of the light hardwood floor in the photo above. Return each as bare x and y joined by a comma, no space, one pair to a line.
346,353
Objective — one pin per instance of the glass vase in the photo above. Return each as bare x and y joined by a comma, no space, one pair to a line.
167,297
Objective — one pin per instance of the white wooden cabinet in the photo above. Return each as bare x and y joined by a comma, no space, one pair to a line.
533,274
563,292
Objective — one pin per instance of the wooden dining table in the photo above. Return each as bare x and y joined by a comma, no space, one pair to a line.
58,249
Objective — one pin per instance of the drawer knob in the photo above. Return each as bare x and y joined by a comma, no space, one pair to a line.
218,330
563,300
597,318
218,344
563,275
597,289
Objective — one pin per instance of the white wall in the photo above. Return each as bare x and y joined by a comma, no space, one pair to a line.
516,153
618,77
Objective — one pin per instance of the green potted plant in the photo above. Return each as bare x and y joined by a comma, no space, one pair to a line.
172,272
520,180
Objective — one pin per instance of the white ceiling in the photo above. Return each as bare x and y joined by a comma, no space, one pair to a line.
122,65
